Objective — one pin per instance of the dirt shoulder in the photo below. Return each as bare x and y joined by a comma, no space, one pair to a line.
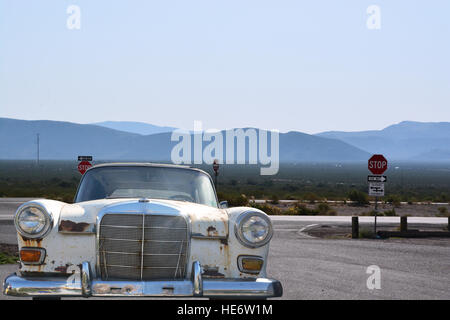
412,210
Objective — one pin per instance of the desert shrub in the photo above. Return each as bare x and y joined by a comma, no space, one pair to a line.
290,211
390,213
311,197
239,201
360,198
394,200
441,198
267,208
443,212
366,233
274,199
303,210
387,213
325,209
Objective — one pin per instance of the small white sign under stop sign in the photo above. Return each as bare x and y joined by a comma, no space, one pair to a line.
376,189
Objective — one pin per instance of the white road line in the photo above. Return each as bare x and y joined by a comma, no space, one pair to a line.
307,227
362,219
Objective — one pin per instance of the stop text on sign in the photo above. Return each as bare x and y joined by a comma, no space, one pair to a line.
377,164
83,166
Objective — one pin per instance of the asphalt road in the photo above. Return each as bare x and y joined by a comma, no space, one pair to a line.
312,268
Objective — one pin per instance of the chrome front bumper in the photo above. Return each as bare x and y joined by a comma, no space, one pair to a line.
83,286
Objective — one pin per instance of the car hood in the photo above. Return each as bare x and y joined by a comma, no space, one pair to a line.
205,221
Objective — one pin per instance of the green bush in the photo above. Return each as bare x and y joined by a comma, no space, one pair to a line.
390,213
366,233
303,210
394,200
443,212
274,199
7,259
360,198
239,201
267,208
325,209
311,197
387,213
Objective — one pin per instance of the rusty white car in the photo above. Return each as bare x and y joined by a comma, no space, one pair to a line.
138,230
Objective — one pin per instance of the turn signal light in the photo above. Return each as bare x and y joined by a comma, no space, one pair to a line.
32,255
250,264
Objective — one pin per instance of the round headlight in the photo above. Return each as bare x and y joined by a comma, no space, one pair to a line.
253,229
33,221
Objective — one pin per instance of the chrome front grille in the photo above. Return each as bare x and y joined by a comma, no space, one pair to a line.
142,246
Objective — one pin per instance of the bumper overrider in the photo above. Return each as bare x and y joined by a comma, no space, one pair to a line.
82,285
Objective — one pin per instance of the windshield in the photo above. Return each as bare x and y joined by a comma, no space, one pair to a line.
147,182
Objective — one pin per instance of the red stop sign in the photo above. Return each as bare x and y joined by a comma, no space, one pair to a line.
83,166
377,164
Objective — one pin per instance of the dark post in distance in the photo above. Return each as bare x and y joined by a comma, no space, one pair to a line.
403,224
355,228
216,171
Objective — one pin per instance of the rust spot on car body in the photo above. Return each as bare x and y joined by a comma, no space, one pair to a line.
212,232
62,269
28,242
70,226
212,272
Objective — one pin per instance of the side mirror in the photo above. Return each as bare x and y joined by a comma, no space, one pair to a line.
223,204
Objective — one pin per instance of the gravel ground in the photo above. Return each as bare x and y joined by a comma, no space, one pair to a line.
413,210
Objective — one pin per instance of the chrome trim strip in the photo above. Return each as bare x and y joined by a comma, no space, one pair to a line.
178,261
17,286
135,227
122,266
229,288
86,289
116,239
30,287
203,237
145,254
142,244
197,279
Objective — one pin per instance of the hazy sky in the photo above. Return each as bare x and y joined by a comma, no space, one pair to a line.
309,66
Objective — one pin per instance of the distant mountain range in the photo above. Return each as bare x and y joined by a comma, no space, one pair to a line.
145,142
408,140
66,140
134,127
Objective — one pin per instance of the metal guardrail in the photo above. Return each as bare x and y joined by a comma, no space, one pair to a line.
404,232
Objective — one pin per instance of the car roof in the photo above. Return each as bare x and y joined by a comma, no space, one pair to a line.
145,164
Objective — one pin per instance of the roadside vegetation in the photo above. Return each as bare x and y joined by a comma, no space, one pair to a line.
8,254
310,184
7,259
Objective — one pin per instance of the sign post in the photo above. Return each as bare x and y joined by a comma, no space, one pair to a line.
216,171
84,163
377,165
